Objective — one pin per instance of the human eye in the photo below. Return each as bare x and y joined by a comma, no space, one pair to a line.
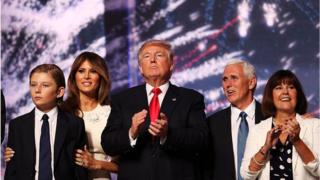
32,84
292,87
160,54
81,70
224,79
234,77
93,71
278,87
45,85
146,56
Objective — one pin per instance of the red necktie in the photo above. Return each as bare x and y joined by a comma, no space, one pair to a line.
154,107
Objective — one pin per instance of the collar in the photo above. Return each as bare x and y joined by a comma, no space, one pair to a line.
164,88
250,110
52,113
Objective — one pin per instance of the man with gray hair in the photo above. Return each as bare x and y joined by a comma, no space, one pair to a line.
229,127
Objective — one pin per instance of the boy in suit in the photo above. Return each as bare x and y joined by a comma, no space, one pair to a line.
44,140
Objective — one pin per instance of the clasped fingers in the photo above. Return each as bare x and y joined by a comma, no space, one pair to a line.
292,128
139,117
159,128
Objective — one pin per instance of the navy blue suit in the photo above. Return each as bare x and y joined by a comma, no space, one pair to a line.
220,154
70,135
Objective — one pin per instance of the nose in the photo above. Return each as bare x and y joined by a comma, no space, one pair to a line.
227,83
87,75
38,89
285,90
153,59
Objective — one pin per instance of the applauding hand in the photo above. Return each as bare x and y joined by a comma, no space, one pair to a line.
159,128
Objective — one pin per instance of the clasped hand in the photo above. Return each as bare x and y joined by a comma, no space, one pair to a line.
84,158
158,128
291,128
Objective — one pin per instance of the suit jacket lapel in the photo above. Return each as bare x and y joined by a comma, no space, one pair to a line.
170,100
229,148
258,113
61,132
29,137
141,102
303,130
142,93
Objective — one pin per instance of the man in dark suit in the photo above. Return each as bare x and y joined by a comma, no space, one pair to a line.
45,139
3,116
156,143
239,83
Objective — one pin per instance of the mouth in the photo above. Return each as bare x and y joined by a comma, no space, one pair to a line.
86,83
285,98
37,98
230,92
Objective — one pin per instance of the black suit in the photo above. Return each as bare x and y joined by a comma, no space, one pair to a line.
148,160
3,116
221,165
70,135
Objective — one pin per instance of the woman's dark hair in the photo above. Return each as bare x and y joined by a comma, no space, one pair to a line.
72,103
278,78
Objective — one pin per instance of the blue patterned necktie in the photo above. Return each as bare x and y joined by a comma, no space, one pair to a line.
45,171
242,138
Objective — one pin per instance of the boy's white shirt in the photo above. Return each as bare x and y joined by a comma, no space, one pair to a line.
53,115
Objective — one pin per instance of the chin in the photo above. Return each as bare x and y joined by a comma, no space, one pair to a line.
287,110
232,100
87,90
155,73
154,76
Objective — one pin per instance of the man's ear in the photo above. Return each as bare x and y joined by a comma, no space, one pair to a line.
60,92
252,83
172,67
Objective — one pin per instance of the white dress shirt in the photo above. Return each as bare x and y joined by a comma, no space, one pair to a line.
164,88
235,123
53,115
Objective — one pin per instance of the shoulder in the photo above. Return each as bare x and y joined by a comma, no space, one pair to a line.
220,113
308,122
186,95
186,91
128,92
103,111
105,108
263,125
258,104
219,119
23,118
67,116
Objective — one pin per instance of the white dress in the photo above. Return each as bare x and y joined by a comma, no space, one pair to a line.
95,121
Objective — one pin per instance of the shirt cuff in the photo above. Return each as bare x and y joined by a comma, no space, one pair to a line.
163,140
132,141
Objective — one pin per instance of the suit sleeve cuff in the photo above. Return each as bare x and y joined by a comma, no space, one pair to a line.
313,167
